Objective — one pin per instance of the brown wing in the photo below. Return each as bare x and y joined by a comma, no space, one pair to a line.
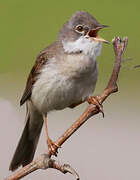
41,60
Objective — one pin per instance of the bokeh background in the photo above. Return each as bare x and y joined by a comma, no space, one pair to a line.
108,148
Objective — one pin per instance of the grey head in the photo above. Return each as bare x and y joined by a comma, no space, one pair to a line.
81,24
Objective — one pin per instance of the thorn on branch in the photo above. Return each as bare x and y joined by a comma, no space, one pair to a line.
66,168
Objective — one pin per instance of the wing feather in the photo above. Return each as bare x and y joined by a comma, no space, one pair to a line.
33,76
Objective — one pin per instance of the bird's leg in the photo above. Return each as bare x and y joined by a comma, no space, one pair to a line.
94,100
52,146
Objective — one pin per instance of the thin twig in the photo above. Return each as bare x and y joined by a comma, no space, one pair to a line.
45,161
137,66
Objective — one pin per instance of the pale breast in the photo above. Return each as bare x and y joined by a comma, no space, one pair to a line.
63,82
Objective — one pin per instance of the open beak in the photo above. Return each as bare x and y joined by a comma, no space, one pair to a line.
93,34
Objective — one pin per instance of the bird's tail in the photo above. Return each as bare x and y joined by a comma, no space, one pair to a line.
28,142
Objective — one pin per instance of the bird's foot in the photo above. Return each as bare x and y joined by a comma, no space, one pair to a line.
94,100
52,147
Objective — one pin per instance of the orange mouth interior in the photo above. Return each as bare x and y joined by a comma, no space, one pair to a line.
93,33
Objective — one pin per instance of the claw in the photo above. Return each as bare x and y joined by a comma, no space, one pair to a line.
95,101
52,146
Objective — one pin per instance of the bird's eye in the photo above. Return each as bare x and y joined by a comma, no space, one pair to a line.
79,28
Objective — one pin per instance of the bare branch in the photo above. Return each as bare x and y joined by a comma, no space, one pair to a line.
45,161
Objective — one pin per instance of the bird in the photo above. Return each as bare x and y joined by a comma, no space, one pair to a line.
64,75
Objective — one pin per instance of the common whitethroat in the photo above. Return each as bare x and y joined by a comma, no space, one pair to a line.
64,75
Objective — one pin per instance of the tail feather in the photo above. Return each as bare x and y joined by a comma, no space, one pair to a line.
28,142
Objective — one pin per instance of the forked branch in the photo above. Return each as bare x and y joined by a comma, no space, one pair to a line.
45,161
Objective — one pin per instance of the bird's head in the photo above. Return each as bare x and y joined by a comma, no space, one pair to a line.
81,33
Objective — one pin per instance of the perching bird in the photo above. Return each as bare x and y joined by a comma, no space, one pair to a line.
64,75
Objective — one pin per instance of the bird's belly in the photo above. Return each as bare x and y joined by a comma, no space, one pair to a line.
55,91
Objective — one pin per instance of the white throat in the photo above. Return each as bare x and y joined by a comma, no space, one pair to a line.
87,46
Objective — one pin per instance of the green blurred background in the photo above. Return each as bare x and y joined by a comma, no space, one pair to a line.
111,145
26,27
